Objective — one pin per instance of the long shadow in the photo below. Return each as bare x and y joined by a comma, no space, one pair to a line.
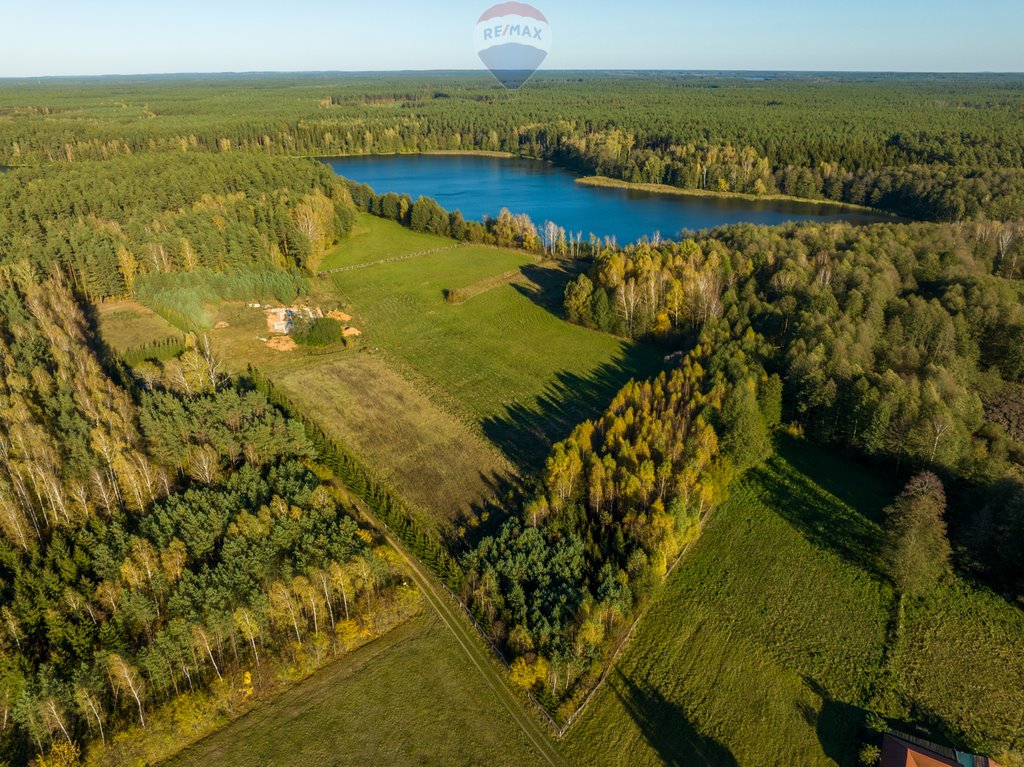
547,283
866,488
825,521
838,726
526,431
666,728
485,517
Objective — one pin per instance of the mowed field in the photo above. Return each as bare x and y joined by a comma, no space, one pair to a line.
410,698
435,459
127,325
777,634
502,360
451,403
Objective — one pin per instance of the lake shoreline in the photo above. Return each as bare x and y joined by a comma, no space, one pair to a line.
481,185
431,153
605,182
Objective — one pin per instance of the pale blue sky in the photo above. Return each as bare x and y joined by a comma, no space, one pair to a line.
75,37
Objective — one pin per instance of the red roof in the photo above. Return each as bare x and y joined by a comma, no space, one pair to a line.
900,753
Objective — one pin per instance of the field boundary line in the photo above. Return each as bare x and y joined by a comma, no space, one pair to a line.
389,260
464,636
563,731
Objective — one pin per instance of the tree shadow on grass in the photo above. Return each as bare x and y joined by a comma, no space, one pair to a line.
866,488
838,725
485,517
546,286
666,728
526,432
820,516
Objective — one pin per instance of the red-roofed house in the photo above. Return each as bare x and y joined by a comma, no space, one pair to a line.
900,750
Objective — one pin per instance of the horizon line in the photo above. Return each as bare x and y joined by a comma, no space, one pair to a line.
484,72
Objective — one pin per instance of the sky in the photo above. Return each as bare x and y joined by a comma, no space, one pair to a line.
90,37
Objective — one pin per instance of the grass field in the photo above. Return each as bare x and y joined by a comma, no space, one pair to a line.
127,325
374,239
411,698
449,402
502,359
400,433
961,667
773,639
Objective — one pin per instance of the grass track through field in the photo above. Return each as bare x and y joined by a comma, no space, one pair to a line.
391,260
457,623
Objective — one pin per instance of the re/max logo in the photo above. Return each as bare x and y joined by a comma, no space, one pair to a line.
512,30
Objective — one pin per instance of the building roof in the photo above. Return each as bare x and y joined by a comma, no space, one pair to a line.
899,753
902,750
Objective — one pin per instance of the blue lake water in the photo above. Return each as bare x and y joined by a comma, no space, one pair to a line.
481,186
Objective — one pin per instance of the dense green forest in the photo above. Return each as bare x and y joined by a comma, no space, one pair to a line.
162,535
921,146
136,226
902,342
561,581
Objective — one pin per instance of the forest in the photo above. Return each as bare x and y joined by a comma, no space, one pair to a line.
119,226
617,502
902,343
164,535
916,145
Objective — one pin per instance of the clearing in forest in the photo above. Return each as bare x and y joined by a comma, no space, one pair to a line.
775,636
128,325
504,361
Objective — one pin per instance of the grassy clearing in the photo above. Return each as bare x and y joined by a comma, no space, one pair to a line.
381,415
960,667
509,365
432,387
387,421
775,637
373,239
128,325
412,698
765,643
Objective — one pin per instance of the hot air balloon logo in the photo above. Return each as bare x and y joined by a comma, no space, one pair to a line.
512,39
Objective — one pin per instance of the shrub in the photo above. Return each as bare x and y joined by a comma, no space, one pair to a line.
323,331
870,755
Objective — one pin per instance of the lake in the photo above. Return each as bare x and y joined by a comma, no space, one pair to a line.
481,186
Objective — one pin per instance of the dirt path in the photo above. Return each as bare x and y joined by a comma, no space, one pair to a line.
451,615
